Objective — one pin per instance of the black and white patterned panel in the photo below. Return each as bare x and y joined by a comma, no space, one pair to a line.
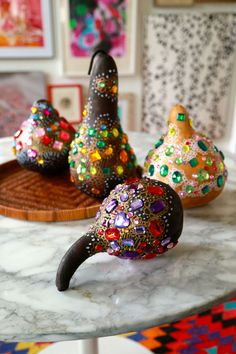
188,59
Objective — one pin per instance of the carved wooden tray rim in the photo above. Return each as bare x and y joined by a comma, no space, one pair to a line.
45,214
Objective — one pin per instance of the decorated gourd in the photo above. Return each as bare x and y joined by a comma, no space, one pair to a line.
100,155
188,161
140,219
43,141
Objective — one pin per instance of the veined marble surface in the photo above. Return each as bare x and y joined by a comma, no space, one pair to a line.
109,295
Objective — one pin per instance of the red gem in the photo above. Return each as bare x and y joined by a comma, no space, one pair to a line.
98,248
112,234
18,133
161,249
46,140
132,180
100,232
157,242
64,135
155,228
142,244
46,112
155,190
19,146
139,250
64,125
150,256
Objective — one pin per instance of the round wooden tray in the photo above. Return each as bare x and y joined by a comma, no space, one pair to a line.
31,196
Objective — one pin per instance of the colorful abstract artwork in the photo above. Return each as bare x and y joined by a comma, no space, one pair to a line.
21,23
98,24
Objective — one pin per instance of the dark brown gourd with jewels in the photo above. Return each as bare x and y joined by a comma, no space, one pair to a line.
100,156
140,219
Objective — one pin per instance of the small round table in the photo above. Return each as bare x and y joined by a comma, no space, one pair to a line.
109,295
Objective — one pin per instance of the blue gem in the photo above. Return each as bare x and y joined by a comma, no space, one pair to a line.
124,197
111,205
128,242
121,220
103,127
165,241
136,204
157,206
115,246
140,229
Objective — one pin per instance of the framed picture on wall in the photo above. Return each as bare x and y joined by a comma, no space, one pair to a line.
126,110
68,100
88,26
25,29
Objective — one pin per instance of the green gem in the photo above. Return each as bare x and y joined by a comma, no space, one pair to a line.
106,171
222,155
127,147
205,190
130,165
209,161
179,160
91,132
81,144
220,181
151,170
164,170
150,153
74,150
181,117
203,146
101,84
72,164
193,162
189,189
176,177
216,148
169,150
133,157
101,144
203,175
104,133
88,176
77,135
159,143
81,168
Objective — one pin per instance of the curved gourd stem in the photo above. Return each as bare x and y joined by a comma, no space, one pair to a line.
92,59
73,258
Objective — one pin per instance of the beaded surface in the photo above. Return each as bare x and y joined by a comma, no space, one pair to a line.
43,140
190,162
100,155
141,218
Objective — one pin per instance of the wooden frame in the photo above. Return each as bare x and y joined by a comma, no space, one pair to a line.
32,50
78,66
68,100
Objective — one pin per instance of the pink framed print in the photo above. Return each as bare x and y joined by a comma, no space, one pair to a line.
99,24
68,100
25,29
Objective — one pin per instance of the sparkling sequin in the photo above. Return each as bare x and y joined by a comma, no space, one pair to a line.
177,177
164,170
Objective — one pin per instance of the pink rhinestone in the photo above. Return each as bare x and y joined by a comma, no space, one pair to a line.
32,122
40,132
32,153
130,214
19,146
46,112
57,145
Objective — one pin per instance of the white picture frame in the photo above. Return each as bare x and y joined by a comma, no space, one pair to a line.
78,66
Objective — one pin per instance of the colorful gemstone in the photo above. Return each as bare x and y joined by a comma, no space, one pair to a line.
32,153
101,144
91,132
124,197
102,84
140,229
104,133
121,220
129,242
115,132
164,170
202,145
46,140
65,136
220,181
181,117
106,171
222,155
64,125
177,177
203,175
165,241
58,145
129,254
156,190
114,89
123,156
205,190
155,228
109,151
179,160
112,234
172,131
40,161
119,170
95,156
103,126
111,206
151,170
115,246
136,204
189,189
186,148
157,206
159,143
193,162
209,161
95,191
34,109
169,150
221,166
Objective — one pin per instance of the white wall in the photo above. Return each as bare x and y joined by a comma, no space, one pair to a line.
53,67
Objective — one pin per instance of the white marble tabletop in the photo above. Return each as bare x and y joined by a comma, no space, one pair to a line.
109,295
